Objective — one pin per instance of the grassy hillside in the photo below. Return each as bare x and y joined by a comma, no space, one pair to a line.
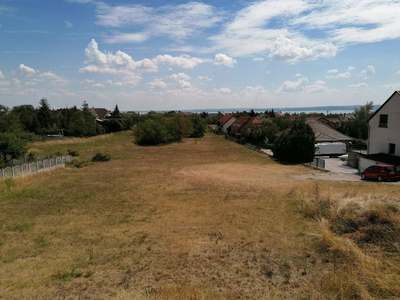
145,224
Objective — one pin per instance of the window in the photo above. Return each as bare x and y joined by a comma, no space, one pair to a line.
392,148
383,120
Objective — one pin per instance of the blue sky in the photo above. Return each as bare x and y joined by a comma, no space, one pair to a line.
157,55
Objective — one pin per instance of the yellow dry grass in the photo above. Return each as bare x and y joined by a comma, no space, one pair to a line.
145,226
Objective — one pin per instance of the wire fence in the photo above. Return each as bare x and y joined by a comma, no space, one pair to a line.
36,167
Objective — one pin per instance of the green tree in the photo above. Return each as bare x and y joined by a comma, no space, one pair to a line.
282,122
185,125
272,129
3,109
199,126
11,147
255,134
149,132
27,116
296,145
357,127
45,116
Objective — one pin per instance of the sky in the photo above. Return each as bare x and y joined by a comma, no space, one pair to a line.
180,55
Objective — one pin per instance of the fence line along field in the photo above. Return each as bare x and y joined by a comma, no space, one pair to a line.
201,219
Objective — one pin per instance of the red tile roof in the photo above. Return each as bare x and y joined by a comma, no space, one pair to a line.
224,119
243,122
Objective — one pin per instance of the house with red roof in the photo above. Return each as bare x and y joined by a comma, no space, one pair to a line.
224,123
243,122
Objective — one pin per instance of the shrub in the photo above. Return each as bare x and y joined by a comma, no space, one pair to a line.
73,152
101,157
297,145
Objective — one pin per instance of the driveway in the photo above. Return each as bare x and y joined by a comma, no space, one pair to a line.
338,172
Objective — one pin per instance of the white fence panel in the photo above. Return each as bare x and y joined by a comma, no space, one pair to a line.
36,167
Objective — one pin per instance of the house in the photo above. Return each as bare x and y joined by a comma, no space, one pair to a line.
241,123
100,113
383,135
263,117
216,116
324,133
224,123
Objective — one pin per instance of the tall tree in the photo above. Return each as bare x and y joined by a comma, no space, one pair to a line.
44,114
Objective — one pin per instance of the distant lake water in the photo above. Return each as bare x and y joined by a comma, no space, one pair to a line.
290,111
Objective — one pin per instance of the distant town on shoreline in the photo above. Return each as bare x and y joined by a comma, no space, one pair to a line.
311,109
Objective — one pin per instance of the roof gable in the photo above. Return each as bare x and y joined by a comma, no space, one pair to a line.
224,119
395,92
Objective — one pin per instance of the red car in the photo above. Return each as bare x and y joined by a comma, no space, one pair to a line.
380,173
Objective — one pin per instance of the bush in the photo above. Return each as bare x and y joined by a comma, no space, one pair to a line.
101,157
73,152
77,164
297,145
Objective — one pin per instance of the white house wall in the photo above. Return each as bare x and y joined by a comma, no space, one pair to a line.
365,163
379,137
227,124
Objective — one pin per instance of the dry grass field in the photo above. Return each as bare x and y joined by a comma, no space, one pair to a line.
145,224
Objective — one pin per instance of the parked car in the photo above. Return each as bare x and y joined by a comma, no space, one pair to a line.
380,173
344,157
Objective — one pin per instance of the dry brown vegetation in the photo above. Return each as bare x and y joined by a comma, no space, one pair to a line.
145,224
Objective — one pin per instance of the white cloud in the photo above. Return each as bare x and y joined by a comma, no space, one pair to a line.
55,80
298,75
97,85
15,81
30,82
121,63
289,86
49,75
183,61
86,81
108,81
342,75
222,59
353,21
395,86
222,90
131,80
178,76
208,78
1,75
258,59
157,84
370,70
361,84
25,70
127,38
68,24
317,86
4,83
255,90
398,72
350,68
332,71
177,22
287,50
184,84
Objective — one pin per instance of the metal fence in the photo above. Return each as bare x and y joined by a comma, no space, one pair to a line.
318,162
35,167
